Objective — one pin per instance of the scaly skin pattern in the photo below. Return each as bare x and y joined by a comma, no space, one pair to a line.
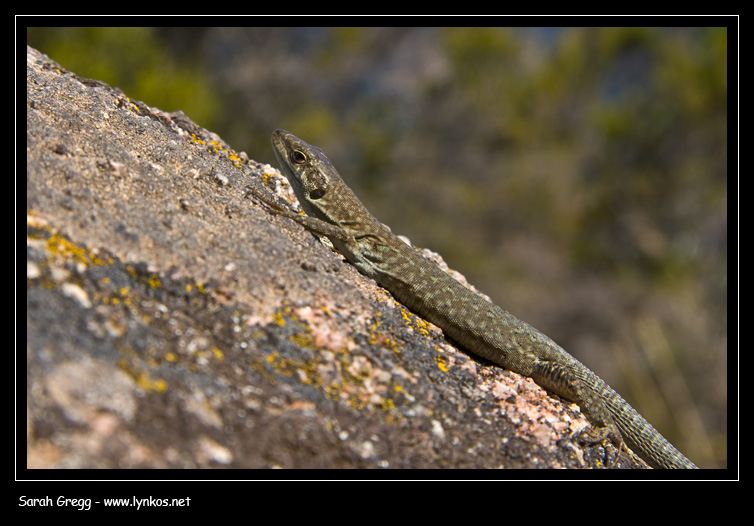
479,326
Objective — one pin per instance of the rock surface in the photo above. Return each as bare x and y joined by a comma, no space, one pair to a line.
174,322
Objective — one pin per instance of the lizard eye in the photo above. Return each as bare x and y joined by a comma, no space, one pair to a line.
319,193
298,157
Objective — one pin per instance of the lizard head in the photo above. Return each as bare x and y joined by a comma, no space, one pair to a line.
315,181
323,195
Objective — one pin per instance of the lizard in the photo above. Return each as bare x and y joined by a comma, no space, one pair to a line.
479,326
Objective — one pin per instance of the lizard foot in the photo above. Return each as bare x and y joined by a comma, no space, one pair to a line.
594,435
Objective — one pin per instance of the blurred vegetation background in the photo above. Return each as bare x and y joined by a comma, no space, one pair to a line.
577,176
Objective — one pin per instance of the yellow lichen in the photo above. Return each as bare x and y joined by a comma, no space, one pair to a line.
442,363
142,378
154,281
60,246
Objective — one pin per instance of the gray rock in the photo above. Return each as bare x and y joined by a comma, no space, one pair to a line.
174,322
